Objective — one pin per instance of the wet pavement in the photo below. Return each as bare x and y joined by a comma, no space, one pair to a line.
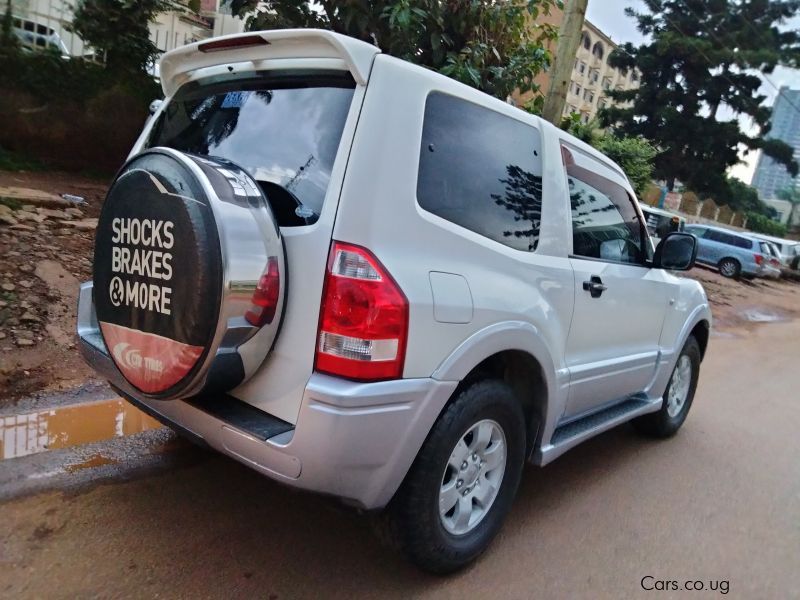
73,425
720,502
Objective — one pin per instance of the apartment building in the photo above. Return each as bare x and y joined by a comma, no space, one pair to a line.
593,78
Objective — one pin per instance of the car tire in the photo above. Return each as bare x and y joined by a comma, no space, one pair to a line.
413,522
730,267
678,396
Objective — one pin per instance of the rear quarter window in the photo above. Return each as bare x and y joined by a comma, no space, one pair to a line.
481,170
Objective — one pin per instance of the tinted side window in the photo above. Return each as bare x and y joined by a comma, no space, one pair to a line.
743,243
481,170
604,221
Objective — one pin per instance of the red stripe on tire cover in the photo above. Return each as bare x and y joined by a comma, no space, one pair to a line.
151,362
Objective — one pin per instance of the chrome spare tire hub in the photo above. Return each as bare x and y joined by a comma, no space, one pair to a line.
472,477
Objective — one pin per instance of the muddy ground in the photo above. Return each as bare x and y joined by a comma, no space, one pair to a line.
44,257
716,505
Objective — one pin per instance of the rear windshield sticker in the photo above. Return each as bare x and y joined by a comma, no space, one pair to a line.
235,99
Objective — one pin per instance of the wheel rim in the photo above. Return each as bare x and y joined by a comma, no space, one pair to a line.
679,386
472,477
728,268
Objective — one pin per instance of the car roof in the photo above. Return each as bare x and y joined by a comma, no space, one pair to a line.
775,240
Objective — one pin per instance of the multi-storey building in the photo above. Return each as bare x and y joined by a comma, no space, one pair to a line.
771,177
593,78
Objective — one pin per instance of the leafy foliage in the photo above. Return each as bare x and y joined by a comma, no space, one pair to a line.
791,195
741,197
71,114
700,56
634,154
8,41
761,224
492,46
118,29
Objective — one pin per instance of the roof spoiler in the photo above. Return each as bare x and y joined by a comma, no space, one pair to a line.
255,46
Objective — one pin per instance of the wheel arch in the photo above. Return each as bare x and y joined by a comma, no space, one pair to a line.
701,332
515,353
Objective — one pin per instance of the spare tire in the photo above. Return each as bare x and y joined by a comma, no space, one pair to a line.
189,274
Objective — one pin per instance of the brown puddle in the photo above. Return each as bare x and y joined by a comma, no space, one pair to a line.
67,426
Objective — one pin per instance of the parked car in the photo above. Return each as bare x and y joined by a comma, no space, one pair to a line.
734,254
660,222
775,264
789,249
411,290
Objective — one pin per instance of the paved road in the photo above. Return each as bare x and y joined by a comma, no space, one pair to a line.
719,502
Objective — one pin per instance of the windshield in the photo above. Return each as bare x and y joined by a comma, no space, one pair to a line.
284,129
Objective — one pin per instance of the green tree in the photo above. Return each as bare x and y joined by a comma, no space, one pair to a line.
741,197
634,154
118,29
8,41
761,224
791,195
494,46
702,55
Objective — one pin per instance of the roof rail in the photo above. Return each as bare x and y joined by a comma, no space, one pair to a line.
176,65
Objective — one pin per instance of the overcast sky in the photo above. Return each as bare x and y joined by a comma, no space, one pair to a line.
609,16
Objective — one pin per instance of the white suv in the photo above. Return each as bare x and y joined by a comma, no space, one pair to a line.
362,278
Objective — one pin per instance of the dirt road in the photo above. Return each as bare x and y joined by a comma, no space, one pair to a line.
718,503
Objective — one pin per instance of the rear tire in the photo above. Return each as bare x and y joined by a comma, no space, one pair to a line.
418,522
678,396
730,267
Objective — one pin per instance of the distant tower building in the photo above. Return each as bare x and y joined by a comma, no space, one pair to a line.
772,177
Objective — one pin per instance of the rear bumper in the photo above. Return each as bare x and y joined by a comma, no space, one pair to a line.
351,440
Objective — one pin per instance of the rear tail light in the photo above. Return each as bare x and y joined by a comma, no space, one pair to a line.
759,259
363,323
265,298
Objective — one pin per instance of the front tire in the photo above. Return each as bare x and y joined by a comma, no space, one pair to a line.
462,484
678,396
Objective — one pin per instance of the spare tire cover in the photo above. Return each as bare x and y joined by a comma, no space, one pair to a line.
157,272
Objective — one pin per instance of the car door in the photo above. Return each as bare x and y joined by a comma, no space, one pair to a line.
620,303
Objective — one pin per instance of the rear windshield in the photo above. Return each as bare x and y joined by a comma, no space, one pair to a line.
284,129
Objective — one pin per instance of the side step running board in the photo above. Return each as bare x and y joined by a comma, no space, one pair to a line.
571,434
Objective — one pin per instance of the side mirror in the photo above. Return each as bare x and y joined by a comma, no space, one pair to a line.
677,252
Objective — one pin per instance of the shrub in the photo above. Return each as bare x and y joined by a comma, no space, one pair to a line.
71,114
761,224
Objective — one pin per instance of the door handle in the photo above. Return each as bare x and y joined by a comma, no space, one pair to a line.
594,286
